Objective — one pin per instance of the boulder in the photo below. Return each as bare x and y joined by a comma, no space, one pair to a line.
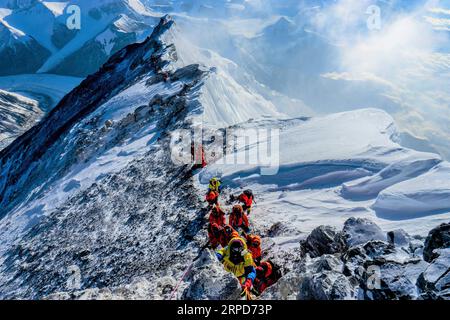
435,280
324,280
359,231
399,238
392,280
438,238
313,279
323,240
208,280
362,262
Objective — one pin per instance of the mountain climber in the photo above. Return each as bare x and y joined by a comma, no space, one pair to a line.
214,188
238,260
197,154
212,197
228,233
266,275
217,216
254,246
215,233
246,198
238,219
215,184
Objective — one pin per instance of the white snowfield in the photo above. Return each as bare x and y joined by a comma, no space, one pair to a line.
338,166
423,195
93,27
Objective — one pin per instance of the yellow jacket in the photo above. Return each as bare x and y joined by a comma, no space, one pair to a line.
245,268
214,185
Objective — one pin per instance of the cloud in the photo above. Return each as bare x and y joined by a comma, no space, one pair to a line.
408,59
439,11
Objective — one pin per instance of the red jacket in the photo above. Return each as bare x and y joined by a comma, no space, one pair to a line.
217,216
197,154
263,281
225,239
255,250
247,201
212,197
240,221
214,234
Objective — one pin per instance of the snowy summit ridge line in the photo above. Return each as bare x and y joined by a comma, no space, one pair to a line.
104,195
84,99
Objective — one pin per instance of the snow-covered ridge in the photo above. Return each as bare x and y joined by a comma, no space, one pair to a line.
98,137
115,125
125,66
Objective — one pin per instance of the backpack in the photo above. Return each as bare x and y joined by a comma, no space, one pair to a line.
249,193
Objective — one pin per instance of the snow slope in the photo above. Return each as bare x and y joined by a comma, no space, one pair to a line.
424,195
116,125
333,167
230,95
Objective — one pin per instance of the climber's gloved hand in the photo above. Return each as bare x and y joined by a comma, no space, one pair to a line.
219,256
247,284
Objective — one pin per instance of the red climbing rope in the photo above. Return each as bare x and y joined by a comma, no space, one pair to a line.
175,290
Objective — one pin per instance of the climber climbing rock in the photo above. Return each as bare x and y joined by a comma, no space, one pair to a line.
217,215
212,197
238,219
237,260
240,255
254,246
246,198
215,184
214,189
214,233
228,233
266,275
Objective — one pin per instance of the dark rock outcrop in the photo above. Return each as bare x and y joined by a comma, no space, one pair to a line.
323,240
364,265
438,238
435,280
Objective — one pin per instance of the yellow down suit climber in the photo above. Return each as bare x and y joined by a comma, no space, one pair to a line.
238,260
